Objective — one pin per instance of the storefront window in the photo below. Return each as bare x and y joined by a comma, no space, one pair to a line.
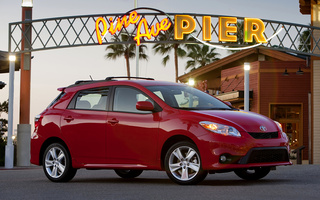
285,112
290,117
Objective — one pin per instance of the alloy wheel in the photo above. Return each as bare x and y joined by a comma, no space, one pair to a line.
183,164
55,162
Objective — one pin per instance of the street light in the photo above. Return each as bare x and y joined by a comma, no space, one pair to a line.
12,58
246,85
9,147
191,82
27,3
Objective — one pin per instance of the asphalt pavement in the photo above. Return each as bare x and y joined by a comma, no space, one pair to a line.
287,182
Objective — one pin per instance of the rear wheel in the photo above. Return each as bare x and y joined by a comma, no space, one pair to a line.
252,174
183,164
57,164
123,173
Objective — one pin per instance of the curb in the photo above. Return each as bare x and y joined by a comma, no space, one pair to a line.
21,168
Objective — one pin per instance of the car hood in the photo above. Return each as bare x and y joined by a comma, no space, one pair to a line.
249,121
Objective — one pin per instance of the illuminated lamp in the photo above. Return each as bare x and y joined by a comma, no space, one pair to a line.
12,58
27,3
191,82
246,66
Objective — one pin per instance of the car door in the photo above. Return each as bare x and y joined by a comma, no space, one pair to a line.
83,125
132,135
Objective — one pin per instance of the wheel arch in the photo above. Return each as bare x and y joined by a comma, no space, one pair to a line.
171,141
47,143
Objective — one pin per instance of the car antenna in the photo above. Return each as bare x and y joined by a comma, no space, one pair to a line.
90,77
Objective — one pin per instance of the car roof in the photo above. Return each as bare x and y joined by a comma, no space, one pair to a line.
85,84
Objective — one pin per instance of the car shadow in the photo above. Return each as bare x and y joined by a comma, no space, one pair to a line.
167,181
122,180
240,182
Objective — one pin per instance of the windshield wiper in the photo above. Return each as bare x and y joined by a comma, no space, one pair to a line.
220,109
202,108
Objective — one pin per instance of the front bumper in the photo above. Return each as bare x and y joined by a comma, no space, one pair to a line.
256,157
227,153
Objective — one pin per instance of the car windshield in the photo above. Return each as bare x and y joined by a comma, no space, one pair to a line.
187,98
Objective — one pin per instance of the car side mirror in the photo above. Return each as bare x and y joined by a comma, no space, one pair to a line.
145,106
228,103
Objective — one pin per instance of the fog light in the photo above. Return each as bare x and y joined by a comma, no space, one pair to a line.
228,159
223,158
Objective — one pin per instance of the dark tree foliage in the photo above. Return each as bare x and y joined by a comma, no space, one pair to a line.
3,129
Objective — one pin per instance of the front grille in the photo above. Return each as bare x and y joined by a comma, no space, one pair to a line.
269,135
265,155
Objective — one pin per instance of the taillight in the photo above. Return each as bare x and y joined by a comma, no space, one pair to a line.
37,121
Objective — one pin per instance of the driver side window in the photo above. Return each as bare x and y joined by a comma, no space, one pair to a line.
125,100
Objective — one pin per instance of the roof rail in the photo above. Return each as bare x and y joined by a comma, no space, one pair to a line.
128,77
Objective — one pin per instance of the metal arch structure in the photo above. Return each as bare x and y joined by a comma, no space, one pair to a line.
73,31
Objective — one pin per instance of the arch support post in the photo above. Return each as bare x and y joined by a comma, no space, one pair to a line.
24,126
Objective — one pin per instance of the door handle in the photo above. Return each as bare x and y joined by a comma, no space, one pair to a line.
113,121
68,119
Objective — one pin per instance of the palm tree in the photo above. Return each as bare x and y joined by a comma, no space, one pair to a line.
3,122
166,48
127,50
240,37
3,129
305,41
200,55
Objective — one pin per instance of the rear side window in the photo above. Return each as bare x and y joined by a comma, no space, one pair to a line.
56,99
94,99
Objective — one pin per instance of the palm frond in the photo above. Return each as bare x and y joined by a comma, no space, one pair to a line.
127,51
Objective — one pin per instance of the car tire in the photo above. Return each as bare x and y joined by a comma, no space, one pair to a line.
57,164
252,174
123,173
183,164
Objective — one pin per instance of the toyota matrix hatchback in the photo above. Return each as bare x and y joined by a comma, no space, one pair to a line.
136,125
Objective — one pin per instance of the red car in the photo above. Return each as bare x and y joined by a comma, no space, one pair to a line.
136,125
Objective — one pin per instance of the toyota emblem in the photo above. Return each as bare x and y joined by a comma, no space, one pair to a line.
263,128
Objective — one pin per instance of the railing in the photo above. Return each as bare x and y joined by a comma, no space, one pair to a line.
298,151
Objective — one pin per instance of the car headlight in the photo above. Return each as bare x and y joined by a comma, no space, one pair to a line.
220,128
284,135
279,125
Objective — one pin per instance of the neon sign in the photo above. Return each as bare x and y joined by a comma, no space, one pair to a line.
185,24
253,27
125,21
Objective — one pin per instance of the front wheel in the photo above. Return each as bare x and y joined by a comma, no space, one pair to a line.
183,164
252,174
123,173
57,163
